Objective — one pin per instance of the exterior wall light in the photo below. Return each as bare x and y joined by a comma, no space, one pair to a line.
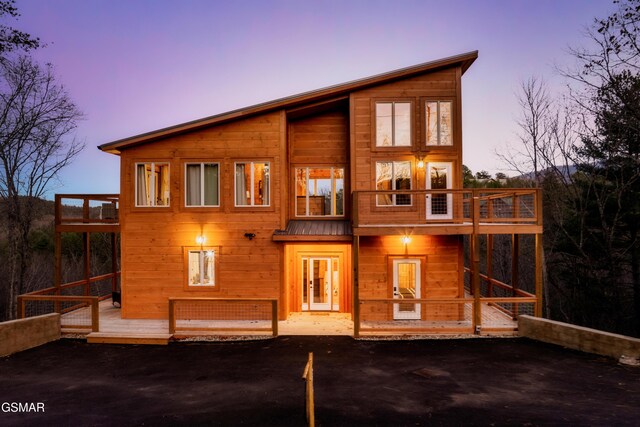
420,162
201,240
406,240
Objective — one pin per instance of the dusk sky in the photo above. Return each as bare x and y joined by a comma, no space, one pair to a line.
136,66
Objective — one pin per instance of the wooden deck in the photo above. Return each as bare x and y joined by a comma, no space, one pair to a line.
115,330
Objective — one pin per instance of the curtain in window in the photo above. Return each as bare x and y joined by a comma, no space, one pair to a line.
163,198
211,185
265,184
193,185
142,186
241,185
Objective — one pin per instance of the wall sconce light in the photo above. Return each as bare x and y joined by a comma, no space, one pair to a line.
250,236
420,159
420,162
406,240
201,240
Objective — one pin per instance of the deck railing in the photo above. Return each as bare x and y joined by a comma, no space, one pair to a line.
86,208
468,206
201,316
415,316
78,313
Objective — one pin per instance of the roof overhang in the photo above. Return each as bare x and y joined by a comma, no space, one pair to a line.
291,103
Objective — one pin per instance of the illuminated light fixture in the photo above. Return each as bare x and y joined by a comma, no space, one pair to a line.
406,240
420,162
201,240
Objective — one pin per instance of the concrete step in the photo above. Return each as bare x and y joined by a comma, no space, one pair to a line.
127,338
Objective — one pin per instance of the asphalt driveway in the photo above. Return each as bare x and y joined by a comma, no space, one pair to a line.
357,383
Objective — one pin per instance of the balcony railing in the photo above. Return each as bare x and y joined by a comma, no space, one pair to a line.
87,208
461,207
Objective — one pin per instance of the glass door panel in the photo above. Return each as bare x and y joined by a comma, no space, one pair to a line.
439,205
316,283
406,285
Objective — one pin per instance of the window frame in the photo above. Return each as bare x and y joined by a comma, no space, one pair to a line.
202,190
393,196
201,250
153,204
424,102
374,121
252,187
333,195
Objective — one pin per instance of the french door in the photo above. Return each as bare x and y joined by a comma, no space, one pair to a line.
316,283
439,205
406,285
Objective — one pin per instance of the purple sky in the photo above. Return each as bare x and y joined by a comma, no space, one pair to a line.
134,66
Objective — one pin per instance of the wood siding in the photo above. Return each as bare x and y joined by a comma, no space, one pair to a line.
442,272
153,238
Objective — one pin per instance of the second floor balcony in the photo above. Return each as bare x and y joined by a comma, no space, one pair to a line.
466,211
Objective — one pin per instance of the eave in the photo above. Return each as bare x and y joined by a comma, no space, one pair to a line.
326,94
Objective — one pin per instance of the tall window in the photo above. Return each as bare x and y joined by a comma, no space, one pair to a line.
252,185
152,184
438,122
202,184
319,191
202,267
393,176
393,124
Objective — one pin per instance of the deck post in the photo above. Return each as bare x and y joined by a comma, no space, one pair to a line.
114,263
475,266
87,262
515,271
539,275
172,316
489,265
356,292
274,317
95,314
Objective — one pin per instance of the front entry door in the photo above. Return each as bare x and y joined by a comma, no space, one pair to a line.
316,283
406,285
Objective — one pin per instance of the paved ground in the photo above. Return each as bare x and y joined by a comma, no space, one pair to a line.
358,383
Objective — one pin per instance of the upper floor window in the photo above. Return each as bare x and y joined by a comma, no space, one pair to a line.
319,191
393,124
152,184
252,184
393,176
202,184
438,122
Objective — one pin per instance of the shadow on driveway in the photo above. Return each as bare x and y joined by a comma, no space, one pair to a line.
357,383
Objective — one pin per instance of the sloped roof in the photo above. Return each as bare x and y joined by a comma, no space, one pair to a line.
318,229
463,60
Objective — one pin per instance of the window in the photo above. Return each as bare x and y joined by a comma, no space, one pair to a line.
393,124
202,267
319,191
252,184
438,122
393,176
202,184
152,184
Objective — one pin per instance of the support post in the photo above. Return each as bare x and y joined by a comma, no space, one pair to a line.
356,291
114,263
515,271
95,314
475,267
87,262
274,317
489,265
172,316
539,275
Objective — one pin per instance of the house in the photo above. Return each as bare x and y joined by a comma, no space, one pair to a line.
344,199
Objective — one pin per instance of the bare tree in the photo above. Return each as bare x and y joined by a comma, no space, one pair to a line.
37,119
